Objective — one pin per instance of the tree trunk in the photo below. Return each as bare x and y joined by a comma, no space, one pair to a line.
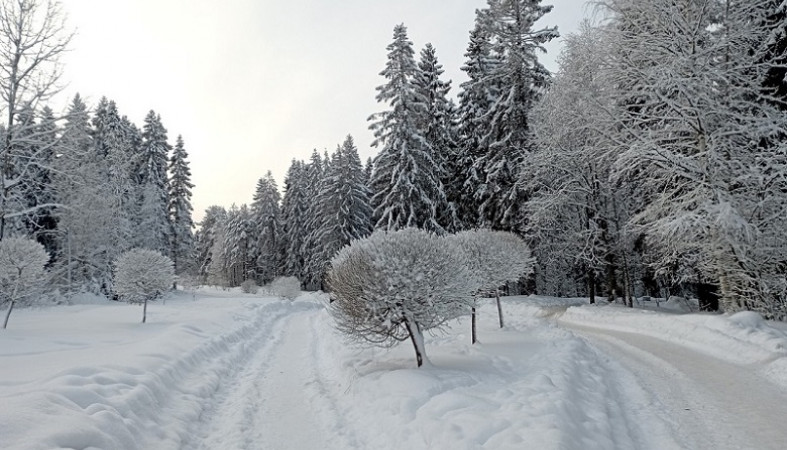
499,308
8,314
612,284
417,338
591,285
627,282
474,336
708,296
145,310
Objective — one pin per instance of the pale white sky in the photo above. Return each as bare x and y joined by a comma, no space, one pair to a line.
251,84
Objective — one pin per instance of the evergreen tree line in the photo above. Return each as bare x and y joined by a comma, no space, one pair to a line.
651,164
325,206
92,185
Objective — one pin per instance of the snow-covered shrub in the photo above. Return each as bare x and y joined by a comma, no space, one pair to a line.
285,287
142,275
392,286
495,257
249,287
22,272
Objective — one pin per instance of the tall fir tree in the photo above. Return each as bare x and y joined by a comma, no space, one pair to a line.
343,204
109,150
207,235
437,126
45,220
266,219
521,79
293,210
476,97
406,181
238,245
88,223
180,210
153,229
311,247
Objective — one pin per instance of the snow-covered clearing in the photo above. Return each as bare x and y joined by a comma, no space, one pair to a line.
224,370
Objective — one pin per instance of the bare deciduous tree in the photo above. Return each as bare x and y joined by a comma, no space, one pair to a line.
33,37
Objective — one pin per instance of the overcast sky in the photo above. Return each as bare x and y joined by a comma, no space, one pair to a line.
252,84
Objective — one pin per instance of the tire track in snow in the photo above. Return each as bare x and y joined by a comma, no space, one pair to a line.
258,404
711,404
224,413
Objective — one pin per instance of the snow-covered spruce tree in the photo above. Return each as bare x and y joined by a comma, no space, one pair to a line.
476,97
436,124
406,181
88,225
696,72
110,152
394,285
143,275
33,36
182,225
217,272
153,229
238,245
495,258
22,272
294,209
343,204
42,222
521,79
311,247
207,235
265,217
30,164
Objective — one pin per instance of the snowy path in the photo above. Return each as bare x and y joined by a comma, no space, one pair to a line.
709,403
287,422
249,410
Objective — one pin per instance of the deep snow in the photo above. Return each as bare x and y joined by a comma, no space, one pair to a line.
218,369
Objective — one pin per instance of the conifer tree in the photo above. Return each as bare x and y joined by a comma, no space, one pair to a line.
437,126
294,209
265,212
44,222
182,233
520,78
88,223
237,246
406,181
312,247
153,230
475,101
31,157
343,205
114,168
207,235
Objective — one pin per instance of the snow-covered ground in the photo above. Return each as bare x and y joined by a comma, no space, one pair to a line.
219,369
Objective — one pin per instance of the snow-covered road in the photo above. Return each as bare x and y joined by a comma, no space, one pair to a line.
709,403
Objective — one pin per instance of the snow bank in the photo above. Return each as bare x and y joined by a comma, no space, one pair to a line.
741,338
